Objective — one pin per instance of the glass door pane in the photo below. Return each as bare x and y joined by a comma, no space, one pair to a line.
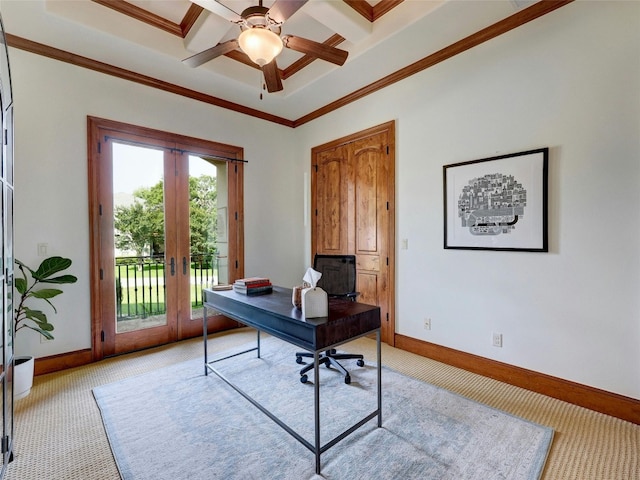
208,223
139,237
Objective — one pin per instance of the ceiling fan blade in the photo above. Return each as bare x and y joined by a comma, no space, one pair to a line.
272,76
211,53
315,49
281,10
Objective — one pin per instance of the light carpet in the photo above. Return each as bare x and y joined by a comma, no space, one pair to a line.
175,423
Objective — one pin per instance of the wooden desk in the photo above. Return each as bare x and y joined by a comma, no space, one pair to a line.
274,314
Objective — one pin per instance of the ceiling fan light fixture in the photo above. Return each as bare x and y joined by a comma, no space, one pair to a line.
260,44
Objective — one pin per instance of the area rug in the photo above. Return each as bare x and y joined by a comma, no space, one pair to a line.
176,423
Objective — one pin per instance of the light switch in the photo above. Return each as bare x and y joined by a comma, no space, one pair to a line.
404,244
42,249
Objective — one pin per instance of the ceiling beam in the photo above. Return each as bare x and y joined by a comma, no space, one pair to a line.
142,15
207,31
190,18
372,13
383,7
341,19
219,9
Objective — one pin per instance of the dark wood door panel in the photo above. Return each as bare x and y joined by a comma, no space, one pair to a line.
368,288
331,211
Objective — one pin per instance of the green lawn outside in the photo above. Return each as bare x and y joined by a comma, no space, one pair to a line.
151,279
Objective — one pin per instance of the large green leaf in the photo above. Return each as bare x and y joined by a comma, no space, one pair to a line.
51,266
37,316
42,332
45,293
47,327
61,279
21,285
40,319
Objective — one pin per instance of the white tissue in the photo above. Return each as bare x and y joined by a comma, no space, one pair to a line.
311,277
314,299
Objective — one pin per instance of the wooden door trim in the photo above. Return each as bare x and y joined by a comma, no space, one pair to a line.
94,180
383,127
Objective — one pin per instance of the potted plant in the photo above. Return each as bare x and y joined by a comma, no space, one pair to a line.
29,287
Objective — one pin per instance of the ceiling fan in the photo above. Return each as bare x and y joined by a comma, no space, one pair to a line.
260,39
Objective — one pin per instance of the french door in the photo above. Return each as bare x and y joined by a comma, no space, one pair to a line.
162,232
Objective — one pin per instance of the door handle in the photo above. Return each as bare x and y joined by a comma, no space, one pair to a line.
173,266
184,265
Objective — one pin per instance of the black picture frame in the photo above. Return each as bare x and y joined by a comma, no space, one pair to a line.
498,203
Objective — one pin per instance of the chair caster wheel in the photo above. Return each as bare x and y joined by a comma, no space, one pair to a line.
360,362
347,379
298,359
304,378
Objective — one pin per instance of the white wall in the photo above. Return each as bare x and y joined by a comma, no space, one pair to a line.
52,102
569,81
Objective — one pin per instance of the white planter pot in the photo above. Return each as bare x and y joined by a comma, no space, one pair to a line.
22,376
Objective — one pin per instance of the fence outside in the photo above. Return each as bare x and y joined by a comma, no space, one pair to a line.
140,283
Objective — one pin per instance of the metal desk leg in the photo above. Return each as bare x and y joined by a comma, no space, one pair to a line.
204,336
379,381
258,343
316,396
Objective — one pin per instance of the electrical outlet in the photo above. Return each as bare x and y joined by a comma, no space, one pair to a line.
427,324
497,340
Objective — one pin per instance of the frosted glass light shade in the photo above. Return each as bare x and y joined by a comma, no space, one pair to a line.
260,44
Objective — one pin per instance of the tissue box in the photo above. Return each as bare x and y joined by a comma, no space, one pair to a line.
315,303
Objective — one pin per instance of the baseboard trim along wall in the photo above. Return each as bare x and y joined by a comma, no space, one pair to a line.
62,361
619,406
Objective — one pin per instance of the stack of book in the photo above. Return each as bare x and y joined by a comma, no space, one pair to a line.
253,286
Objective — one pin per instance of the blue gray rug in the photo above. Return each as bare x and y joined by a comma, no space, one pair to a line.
174,423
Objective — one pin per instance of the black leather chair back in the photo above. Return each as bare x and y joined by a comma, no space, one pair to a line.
338,274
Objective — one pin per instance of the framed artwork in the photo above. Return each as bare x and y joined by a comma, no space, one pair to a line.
497,203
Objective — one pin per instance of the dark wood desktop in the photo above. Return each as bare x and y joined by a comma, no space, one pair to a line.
274,314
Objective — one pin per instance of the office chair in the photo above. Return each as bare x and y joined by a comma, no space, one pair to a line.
339,281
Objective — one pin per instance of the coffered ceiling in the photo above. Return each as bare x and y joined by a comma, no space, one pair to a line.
148,39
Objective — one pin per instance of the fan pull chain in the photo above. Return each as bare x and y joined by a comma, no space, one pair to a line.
262,84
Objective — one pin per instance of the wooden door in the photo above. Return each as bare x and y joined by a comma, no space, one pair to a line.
353,204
